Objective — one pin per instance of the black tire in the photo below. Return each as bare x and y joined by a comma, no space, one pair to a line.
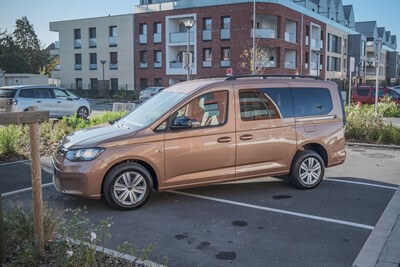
295,178
83,112
115,174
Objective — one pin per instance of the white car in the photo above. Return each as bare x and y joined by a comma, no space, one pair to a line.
149,93
396,88
58,101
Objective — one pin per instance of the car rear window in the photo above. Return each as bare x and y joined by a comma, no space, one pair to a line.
362,92
311,101
7,93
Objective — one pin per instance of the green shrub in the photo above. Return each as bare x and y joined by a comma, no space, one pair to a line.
9,139
388,108
77,123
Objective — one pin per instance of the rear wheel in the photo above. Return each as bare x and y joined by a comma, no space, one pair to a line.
307,170
83,112
127,186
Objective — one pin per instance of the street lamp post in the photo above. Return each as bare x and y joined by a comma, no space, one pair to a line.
254,38
188,23
378,48
102,63
317,53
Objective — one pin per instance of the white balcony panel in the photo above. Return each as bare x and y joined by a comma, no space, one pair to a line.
207,64
290,65
143,65
157,38
180,37
207,35
267,64
143,38
225,63
225,34
77,43
112,41
290,37
176,65
264,33
157,64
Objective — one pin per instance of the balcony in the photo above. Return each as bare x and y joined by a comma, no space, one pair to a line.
207,64
57,68
143,38
290,65
92,66
157,38
225,63
175,65
92,42
78,67
112,41
157,65
266,64
265,33
290,37
225,34
180,37
113,66
143,65
77,43
207,35
315,44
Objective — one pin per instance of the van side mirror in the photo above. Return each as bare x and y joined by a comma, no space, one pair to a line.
181,123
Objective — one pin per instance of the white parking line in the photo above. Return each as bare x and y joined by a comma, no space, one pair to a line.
303,215
16,192
21,161
360,183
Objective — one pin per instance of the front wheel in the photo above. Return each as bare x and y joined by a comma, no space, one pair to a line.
83,112
127,186
307,170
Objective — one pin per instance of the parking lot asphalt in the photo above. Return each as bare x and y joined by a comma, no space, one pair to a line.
253,223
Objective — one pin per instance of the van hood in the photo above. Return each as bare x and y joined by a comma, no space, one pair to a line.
95,136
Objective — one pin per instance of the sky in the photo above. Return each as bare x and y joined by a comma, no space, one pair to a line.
41,12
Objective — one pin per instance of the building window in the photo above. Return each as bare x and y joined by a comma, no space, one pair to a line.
114,83
157,59
158,82
143,83
334,43
93,61
143,33
226,22
207,24
334,64
225,57
143,59
113,60
77,38
225,28
157,32
92,38
207,57
94,83
78,62
78,83
112,41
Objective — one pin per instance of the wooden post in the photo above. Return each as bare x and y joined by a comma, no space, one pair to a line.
36,184
2,236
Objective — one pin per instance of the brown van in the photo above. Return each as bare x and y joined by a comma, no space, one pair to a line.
208,131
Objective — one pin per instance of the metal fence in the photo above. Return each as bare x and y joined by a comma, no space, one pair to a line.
120,92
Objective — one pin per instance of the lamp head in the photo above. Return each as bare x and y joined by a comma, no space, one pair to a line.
103,62
188,23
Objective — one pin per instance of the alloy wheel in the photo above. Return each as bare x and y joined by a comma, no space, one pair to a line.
129,188
310,171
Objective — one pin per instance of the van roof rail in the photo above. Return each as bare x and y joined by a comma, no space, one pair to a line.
266,76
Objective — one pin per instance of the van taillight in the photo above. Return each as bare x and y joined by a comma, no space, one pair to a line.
12,101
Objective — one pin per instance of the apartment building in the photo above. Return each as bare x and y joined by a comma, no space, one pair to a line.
95,53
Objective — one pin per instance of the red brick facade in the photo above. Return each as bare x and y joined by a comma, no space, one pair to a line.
241,16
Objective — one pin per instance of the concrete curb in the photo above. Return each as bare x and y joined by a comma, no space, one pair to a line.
393,147
372,252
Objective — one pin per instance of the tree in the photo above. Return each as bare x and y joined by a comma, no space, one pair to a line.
51,66
264,56
11,56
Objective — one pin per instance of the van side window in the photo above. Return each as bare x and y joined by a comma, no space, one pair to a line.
381,93
41,93
206,110
26,93
311,101
282,98
362,92
60,94
254,105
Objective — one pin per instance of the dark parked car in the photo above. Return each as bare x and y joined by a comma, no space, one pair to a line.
366,95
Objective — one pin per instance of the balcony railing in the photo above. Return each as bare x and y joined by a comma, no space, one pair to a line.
78,67
225,34
316,44
113,66
112,41
93,66
180,37
266,64
370,72
313,65
143,65
290,37
307,40
143,39
175,65
265,33
77,43
157,64
92,42
207,64
57,68
225,63
207,35
290,65
57,45
157,38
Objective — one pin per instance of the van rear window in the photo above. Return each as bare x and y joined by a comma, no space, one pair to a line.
7,93
282,98
362,92
311,101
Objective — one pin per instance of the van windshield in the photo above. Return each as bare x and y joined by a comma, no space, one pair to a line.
151,110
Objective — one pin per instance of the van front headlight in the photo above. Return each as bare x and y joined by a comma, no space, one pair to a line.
84,154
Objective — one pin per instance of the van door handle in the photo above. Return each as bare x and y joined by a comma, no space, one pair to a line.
38,101
225,139
58,101
246,137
